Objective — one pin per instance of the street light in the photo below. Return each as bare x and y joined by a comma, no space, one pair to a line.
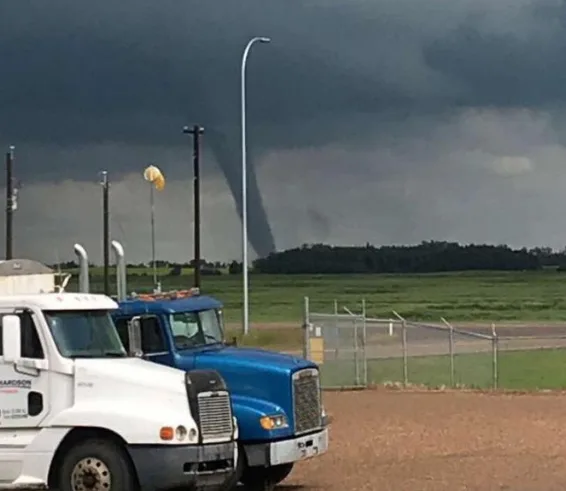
245,184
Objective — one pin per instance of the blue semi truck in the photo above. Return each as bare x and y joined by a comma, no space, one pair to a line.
277,398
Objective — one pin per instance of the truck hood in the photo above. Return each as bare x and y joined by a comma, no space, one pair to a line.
128,377
252,360
255,373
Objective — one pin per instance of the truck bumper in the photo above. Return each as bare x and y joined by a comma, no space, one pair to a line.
169,467
286,451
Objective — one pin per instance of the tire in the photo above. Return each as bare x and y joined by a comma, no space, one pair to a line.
96,465
265,478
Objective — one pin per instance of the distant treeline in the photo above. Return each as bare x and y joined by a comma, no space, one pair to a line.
426,257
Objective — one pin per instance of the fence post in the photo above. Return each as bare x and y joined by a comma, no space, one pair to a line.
451,348
405,351
336,331
405,356
306,329
495,352
356,352
364,343
355,342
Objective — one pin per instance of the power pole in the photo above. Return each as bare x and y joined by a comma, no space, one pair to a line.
196,131
105,230
9,204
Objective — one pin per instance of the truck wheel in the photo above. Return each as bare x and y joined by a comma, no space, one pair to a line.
96,465
265,478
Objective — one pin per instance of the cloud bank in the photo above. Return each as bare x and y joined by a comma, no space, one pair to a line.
379,121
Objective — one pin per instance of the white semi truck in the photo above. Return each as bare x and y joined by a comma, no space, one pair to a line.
77,413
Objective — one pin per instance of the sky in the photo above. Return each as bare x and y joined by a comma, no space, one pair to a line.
381,121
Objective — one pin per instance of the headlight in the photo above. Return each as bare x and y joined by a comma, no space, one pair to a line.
273,422
181,432
193,435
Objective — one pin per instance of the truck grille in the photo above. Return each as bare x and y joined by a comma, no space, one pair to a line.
306,400
215,416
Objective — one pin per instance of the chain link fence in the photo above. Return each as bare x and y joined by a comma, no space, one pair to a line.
357,351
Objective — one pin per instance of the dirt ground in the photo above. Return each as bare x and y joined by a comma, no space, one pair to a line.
391,440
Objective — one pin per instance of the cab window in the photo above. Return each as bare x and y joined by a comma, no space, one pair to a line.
29,337
151,334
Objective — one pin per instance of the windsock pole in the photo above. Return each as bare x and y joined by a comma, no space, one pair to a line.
153,262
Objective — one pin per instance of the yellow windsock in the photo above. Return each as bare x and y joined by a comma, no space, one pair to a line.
159,183
154,175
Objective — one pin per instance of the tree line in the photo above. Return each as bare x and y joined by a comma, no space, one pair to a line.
426,257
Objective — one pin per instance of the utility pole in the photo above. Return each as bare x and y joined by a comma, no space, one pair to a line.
9,204
105,230
196,131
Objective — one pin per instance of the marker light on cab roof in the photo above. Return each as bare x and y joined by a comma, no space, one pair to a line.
171,295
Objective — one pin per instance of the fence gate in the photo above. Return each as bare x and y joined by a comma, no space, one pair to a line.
337,343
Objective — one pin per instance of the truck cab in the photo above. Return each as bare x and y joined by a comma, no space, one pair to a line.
78,413
276,397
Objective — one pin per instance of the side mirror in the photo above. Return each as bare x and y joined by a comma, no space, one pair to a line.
11,340
233,342
134,335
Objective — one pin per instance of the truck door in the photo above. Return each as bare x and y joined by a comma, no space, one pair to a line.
154,345
24,396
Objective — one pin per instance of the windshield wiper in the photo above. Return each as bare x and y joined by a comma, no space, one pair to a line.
104,354
115,354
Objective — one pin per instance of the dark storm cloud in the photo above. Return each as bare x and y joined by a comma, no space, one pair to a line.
357,72
518,67
135,70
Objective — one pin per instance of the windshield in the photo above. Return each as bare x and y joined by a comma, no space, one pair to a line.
84,333
192,329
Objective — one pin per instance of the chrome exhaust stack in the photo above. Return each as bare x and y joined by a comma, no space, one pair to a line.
120,271
84,283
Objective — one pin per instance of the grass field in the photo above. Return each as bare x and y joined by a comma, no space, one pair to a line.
517,370
481,296
469,296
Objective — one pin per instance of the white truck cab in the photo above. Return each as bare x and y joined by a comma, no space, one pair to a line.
77,413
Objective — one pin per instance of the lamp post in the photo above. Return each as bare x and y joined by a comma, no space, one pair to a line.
245,287
196,131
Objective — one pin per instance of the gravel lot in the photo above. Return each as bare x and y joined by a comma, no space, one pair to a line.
419,441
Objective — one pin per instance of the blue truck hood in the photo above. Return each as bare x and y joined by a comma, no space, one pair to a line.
242,366
256,374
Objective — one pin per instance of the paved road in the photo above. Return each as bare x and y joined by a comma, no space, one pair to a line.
503,330
427,331
434,339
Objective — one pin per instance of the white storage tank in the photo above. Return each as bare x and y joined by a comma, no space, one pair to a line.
25,276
